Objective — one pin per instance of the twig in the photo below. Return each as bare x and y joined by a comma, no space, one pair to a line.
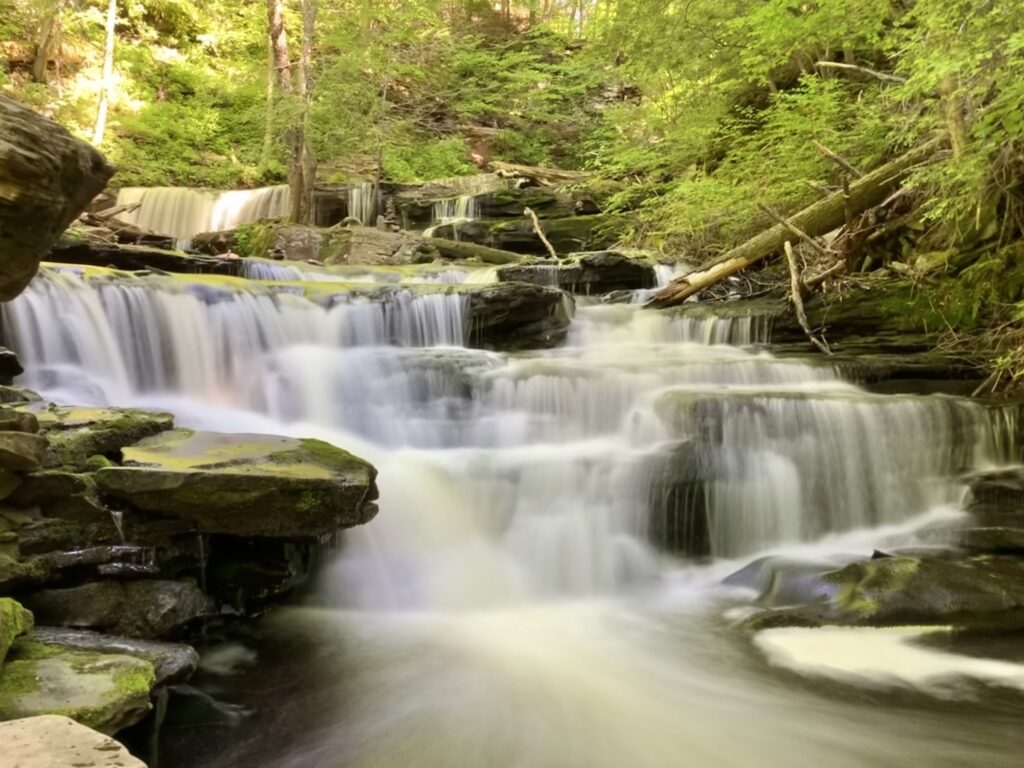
818,248
838,159
797,299
540,232
885,77
835,269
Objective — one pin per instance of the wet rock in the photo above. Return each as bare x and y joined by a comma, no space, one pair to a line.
16,573
145,609
566,235
14,621
53,741
978,592
591,273
13,420
48,177
10,366
77,435
781,581
102,691
172,662
131,258
245,485
17,395
22,452
518,316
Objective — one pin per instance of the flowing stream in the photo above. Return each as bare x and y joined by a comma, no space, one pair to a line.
513,603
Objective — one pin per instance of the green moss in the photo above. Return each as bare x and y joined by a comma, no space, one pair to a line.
15,620
254,239
96,463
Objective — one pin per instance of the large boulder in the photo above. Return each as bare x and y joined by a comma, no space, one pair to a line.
245,485
172,662
514,316
984,592
53,741
47,177
144,609
102,691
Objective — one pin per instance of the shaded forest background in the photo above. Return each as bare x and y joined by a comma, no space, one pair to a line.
693,114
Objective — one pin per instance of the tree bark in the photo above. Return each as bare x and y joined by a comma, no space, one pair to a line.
816,220
268,126
49,32
108,75
308,156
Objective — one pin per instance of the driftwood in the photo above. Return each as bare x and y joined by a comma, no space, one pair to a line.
547,177
540,232
109,213
817,219
795,295
461,250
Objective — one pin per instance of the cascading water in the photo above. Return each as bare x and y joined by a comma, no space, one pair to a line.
362,203
509,606
453,211
183,213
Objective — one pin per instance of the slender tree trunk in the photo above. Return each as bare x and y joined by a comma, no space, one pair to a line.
308,157
108,74
49,33
279,45
268,126
955,123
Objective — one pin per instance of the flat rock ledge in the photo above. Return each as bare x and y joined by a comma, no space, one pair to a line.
245,485
52,741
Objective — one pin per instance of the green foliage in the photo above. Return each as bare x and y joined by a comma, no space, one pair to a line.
437,159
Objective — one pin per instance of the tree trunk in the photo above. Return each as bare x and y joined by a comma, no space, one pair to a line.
108,74
279,45
816,220
268,126
459,250
308,154
49,32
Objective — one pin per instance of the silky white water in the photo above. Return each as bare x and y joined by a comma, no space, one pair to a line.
511,604
452,211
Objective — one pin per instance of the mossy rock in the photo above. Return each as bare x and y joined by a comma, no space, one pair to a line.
985,592
78,435
21,452
102,691
16,573
245,485
14,621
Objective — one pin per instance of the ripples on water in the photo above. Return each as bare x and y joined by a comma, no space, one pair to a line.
508,606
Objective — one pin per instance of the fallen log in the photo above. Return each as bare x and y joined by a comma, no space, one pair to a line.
453,249
817,219
543,176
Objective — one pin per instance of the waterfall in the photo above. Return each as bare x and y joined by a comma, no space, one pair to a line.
262,269
362,203
106,339
513,602
644,427
452,211
183,213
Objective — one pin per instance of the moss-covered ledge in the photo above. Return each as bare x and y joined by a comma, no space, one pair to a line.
245,485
